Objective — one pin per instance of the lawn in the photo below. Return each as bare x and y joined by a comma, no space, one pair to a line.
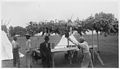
108,52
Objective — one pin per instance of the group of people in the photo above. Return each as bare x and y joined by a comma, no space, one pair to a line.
44,48
45,51
15,49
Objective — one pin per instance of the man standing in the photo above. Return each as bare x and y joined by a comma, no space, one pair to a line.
15,47
28,51
46,52
87,61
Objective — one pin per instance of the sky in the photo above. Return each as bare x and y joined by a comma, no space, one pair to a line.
20,13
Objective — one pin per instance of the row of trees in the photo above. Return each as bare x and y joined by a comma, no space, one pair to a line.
17,31
105,23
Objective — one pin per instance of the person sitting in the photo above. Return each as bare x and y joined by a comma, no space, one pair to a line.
87,61
46,52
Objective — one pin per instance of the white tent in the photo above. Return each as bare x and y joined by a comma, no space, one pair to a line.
39,34
36,35
45,34
64,42
17,35
6,48
53,34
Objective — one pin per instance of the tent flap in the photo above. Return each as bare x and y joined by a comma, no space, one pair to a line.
6,48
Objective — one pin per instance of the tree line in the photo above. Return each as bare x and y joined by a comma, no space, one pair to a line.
105,23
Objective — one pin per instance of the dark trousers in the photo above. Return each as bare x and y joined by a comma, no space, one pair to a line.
47,61
16,58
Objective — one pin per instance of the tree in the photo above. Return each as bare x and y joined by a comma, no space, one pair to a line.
103,23
4,28
80,27
89,25
32,28
11,31
19,31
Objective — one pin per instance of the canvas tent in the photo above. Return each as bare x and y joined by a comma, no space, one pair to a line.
17,35
45,34
63,43
39,34
52,34
6,48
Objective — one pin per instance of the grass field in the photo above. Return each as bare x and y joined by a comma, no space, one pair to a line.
108,52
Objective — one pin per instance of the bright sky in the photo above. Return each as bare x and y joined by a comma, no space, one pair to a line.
19,13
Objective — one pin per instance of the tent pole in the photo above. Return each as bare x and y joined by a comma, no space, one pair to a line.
98,52
92,47
98,42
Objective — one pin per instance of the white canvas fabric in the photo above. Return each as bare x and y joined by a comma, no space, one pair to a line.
6,48
73,38
39,34
64,42
53,34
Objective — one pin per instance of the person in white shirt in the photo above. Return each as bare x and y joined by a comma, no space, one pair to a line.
15,47
28,52
87,61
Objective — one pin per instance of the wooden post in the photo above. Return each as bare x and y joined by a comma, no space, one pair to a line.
99,58
92,47
98,42
53,63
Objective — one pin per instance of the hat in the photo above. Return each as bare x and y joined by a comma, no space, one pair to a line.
27,36
46,38
81,39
